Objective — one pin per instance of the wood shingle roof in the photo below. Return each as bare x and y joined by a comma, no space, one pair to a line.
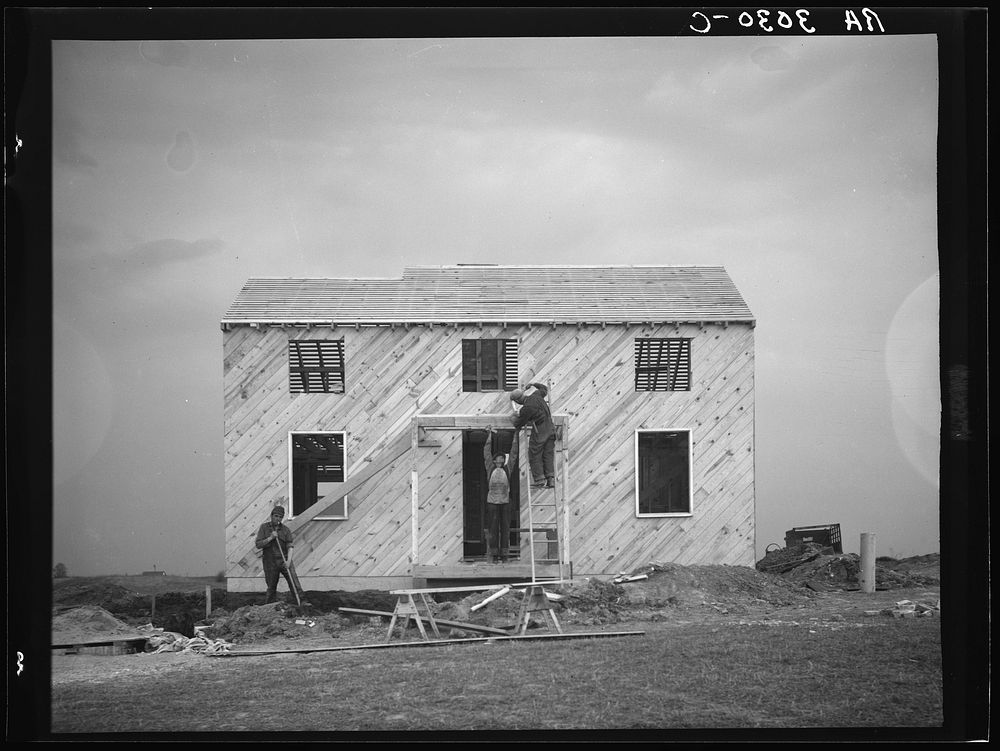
470,294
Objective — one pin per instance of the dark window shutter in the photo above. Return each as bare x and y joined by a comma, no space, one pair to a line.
489,364
316,366
509,365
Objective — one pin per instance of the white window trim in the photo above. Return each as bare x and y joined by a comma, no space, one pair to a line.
291,485
680,514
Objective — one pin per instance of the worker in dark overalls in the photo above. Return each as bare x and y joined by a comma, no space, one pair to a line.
270,536
534,411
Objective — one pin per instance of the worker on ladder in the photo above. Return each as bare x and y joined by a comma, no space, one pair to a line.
534,410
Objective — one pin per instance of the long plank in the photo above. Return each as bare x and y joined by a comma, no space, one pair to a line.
439,621
388,455
115,641
433,643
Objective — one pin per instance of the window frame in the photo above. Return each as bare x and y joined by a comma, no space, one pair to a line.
690,475
506,365
291,471
684,358
324,371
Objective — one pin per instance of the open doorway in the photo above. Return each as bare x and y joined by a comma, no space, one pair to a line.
474,492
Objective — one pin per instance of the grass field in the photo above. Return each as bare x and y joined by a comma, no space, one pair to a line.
869,673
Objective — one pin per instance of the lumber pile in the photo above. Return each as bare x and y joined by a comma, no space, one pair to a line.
784,560
911,609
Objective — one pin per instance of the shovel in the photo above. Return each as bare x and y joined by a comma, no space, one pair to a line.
292,578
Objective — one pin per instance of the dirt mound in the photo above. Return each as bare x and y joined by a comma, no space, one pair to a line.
927,567
669,586
179,612
664,589
254,623
87,623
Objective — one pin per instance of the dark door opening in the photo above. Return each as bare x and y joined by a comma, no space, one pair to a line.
474,492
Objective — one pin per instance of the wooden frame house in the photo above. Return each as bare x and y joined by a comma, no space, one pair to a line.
361,405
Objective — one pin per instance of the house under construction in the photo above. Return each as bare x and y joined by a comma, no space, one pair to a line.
361,405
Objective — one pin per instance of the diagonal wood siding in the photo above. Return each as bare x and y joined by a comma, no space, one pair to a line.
394,373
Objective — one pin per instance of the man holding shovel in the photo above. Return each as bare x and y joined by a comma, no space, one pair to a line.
275,540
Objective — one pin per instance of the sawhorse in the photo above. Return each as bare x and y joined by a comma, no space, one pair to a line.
535,600
406,606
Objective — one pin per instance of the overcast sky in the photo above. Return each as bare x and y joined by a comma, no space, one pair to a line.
806,166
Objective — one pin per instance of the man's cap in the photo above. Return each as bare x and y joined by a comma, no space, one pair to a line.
516,395
278,511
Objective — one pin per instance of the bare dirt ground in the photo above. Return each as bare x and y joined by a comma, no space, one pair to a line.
815,588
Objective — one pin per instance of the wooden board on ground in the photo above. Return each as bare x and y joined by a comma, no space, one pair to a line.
432,643
439,621
125,646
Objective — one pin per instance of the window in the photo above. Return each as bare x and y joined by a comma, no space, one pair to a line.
662,364
489,364
663,472
316,366
318,463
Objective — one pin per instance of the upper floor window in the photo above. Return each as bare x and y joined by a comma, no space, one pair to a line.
663,472
489,364
662,364
316,366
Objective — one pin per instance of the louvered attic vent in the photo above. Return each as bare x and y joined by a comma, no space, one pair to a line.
662,364
316,366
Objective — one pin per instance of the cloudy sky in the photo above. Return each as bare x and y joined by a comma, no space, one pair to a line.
805,165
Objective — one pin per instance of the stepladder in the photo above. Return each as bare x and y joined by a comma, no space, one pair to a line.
543,538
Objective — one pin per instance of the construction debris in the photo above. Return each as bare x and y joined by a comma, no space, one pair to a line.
623,577
811,575
821,569
491,598
92,625
160,641
911,609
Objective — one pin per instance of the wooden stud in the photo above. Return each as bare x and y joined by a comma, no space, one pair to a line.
414,495
564,558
